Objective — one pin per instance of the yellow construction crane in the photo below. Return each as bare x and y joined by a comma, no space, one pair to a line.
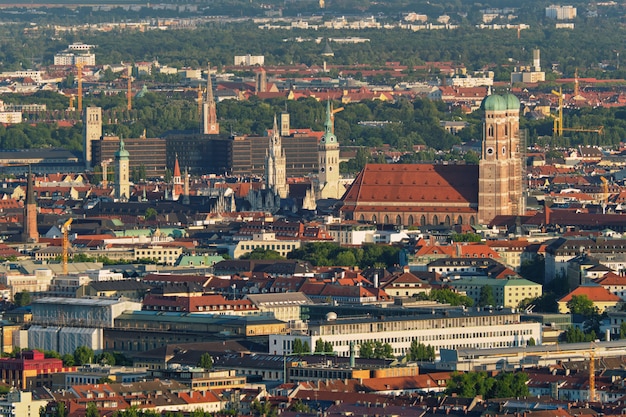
79,75
592,373
605,194
332,115
200,100
129,84
557,130
66,244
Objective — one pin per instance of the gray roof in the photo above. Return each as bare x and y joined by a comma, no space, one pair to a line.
279,299
119,285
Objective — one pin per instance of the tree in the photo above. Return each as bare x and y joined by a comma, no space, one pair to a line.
531,342
300,347
375,350
92,410
150,214
260,253
68,360
83,355
22,298
420,352
206,361
504,385
106,358
581,304
486,297
319,346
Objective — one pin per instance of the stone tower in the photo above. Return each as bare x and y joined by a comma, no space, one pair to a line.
276,164
328,161
122,181
31,234
92,131
500,169
209,113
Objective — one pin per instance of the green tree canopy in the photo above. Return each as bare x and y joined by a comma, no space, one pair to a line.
206,361
581,304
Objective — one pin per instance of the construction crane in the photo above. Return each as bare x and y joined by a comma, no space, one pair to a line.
592,373
199,100
66,244
558,128
105,167
129,81
332,115
605,194
79,75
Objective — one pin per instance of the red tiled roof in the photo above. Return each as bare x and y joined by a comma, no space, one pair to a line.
414,184
594,293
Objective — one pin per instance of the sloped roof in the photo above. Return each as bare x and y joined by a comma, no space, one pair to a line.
595,293
414,184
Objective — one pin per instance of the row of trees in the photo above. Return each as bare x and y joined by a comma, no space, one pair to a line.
329,254
503,385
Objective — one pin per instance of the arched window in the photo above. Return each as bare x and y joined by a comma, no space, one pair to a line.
411,221
459,220
435,220
447,221
423,220
398,220
386,219
490,130
362,218
472,221
374,219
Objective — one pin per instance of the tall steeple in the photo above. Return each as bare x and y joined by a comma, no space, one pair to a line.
31,234
276,164
209,113
328,161
177,179
122,180
500,168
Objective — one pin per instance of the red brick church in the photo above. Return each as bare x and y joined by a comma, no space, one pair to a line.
427,194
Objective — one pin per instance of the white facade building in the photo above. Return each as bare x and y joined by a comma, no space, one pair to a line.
479,329
68,58
249,60
561,12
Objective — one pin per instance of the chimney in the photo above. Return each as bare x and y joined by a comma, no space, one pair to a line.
547,212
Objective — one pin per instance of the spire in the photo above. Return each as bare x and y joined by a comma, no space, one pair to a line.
275,131
328,124
209,86
176,167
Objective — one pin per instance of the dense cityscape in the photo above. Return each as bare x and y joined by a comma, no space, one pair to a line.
312,208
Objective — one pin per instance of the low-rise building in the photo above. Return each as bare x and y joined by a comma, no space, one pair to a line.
18,403
506,292
30,369
476,328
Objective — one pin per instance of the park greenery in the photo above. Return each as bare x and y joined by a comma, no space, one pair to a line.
420,352
375,349
447,296
323,347
503,385
332,254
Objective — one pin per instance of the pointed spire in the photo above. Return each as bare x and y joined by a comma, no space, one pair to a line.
209,86
328,124
275,131
176,167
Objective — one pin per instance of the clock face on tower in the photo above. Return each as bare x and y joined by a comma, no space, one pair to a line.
212,127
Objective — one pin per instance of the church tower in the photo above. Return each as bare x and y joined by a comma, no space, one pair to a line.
92,131
276,164
500,169
328,161
209,113
122,181
177,179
